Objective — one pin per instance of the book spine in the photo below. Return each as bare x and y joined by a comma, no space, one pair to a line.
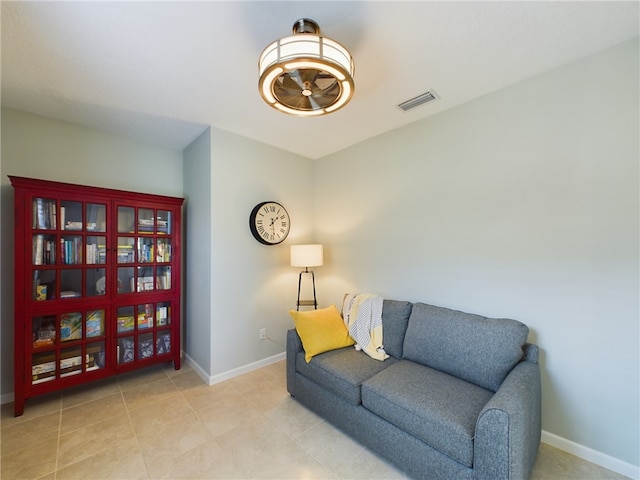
38,249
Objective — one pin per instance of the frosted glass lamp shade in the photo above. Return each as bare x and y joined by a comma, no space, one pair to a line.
306,255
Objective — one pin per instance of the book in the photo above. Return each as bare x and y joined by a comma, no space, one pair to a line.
43,368
70,326
125,323
38,249
94,323
162,314
163,280
41,293
69,294
72,250
43,214
73,226
144,284
163,251
70,362
145,316
44,331
125,254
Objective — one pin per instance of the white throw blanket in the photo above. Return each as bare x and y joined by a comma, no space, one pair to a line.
362,315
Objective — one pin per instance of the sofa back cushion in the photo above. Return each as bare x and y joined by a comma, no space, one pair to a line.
395,317
477,349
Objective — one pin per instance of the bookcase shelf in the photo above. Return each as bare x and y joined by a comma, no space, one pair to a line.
97,284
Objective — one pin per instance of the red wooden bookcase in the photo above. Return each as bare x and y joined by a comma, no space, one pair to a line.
97,284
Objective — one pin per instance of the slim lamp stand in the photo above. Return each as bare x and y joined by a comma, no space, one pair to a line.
307,303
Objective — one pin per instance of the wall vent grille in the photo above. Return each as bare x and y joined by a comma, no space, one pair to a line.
419,100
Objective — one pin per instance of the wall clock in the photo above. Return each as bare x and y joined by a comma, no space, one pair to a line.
269,223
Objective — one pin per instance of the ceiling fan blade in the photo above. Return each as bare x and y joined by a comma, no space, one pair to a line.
313,103
297,101
295,76
288,83
325,82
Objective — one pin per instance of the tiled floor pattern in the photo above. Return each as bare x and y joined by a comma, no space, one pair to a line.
162,423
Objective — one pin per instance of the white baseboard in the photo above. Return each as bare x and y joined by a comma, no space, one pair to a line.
210,380
591,455
221,377
197,368
7,398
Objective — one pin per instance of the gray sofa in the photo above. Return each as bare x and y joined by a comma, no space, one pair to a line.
458,398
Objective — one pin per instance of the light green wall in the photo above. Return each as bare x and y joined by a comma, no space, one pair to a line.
523,204
34,146
197,255
253,285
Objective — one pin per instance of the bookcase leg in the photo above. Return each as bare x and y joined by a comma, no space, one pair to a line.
18,406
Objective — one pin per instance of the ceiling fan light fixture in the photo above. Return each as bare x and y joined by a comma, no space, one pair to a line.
306,74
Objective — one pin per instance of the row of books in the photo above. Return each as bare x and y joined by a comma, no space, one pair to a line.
44,328
44,251
126,321
163,279
44,366
71,250
96,253
44,214
126,254
145,253
44,217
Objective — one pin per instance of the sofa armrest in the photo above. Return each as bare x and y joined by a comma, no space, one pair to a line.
530,353
508,429
294,345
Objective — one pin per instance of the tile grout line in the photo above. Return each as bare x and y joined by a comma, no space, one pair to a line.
55,470
135,434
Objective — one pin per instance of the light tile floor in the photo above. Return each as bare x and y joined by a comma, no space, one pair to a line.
162,423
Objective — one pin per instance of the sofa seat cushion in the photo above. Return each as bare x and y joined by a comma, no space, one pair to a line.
438,408
342,371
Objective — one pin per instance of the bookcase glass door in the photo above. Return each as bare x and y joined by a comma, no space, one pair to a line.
66,344
144,240
143,332
64,245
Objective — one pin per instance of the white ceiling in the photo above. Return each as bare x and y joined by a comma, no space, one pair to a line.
163,71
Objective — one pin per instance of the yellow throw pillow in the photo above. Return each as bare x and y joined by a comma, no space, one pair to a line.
321,330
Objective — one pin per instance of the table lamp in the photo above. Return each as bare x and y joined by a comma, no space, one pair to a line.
306,256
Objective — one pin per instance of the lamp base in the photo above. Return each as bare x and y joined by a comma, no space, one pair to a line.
307,303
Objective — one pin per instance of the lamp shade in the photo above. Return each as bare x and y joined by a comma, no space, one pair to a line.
306,74
306,255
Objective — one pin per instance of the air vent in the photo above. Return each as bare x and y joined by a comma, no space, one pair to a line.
419,100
